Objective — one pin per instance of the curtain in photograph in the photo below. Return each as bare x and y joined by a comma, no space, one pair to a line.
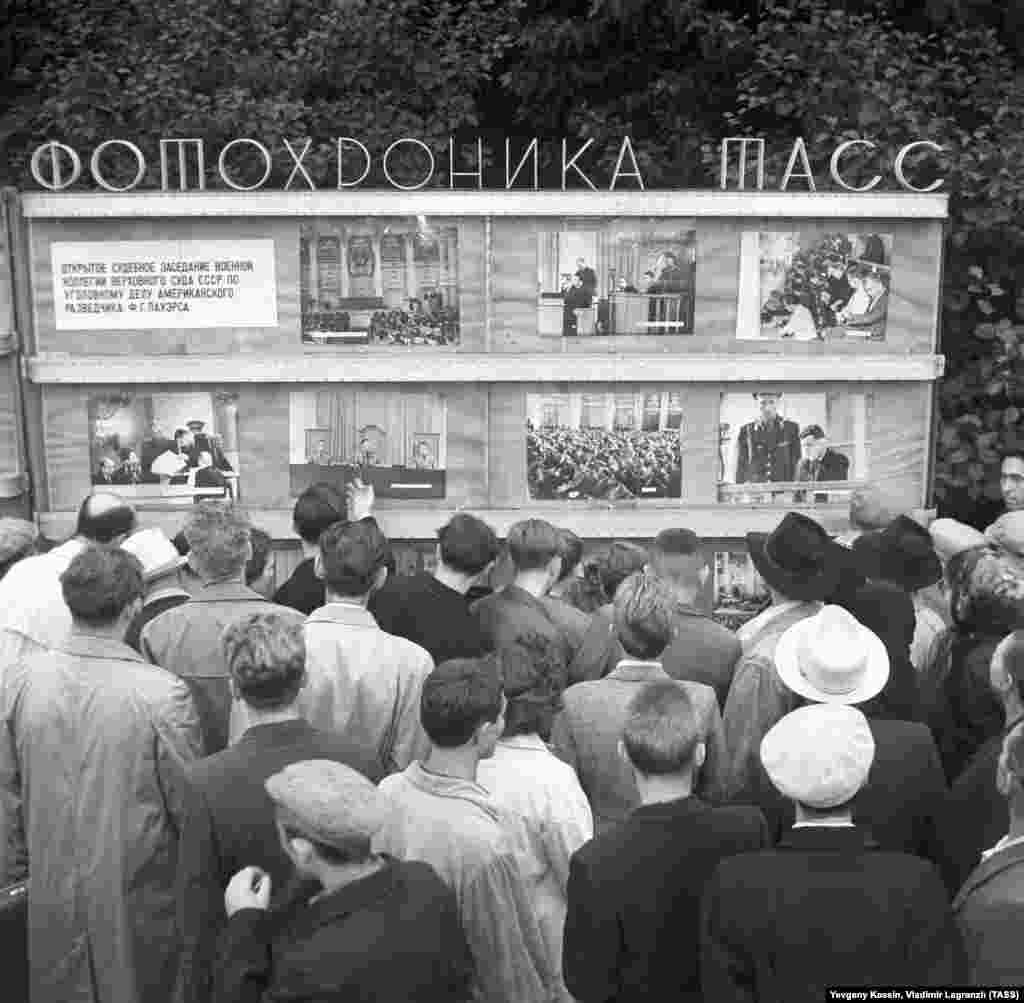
330,414
550,279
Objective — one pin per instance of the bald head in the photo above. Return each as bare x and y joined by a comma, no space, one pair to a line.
105,517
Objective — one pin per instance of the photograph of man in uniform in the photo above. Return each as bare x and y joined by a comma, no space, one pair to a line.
768,449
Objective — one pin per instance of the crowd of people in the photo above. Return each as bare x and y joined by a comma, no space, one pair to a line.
570,463
510,780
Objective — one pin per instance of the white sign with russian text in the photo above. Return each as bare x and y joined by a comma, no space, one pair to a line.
133,284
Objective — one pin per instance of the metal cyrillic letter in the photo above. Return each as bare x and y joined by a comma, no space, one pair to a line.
627,147
94,165
267,160
510,179
572,163
57,183
898,167
342,183
833,166
424,148
298,165
799,150
743,141
165,171
478,173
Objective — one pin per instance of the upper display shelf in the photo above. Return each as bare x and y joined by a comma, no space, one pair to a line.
722,204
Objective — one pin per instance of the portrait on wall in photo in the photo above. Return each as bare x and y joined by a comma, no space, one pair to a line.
823,287
604,446
616,277
792,448
392,439
163,449
380,281
739,591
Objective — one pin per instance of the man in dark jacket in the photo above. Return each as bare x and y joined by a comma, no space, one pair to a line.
821,909
631,932
229,820
356,925
768,449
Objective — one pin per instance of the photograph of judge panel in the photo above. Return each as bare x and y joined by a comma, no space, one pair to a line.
395,440
620,277
821,287
163,449
792,449
739,591
386,281
604,446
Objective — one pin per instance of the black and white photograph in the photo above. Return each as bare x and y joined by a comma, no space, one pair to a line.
380,282
739,591
800,448
622,277
394,440
802,288
604,446
165,448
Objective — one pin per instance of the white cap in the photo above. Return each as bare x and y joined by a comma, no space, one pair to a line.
155,552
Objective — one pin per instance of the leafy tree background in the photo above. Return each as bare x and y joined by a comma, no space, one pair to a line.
675,75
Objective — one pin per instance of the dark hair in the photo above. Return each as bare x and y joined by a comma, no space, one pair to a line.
467,544
532,543
1012,453
352,554
103,517
661,732
643,616
261,547
571,550
458,697
100,583
534,674
318,507
676,543
266,656
623,560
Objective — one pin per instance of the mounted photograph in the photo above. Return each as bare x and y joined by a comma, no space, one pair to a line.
394,440
163,449
604,446
380,281
618,277
739,591
822,287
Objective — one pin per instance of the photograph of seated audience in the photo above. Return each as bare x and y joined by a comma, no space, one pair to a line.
814,287
629,277
604,446
173,447
382,282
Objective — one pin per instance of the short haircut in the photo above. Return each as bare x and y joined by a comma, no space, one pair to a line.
676,556
100,583
534,674
102,517
623,560
532,543
661,732
467,544
458,697
571,552
643,616
262,544
218,535
352,554
179,432
1013,659
813,432
1012,453
266,656
319,506
1013,748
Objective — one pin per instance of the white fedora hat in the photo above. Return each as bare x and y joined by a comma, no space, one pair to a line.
155,552
832,658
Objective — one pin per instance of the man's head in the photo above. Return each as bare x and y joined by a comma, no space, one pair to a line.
327,815
266,657
622,560
1006,673
318,507
769,404
813,442
104,517
184,438
103,587
467,545
874,284
868,509
107,467
676,559
462,705
195,426
643,616
534,674
571,554
260,569
1011,480
219,538
534,545
662,736
1010,770
353,558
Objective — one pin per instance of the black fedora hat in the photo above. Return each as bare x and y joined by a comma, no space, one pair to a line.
796,558
902,553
